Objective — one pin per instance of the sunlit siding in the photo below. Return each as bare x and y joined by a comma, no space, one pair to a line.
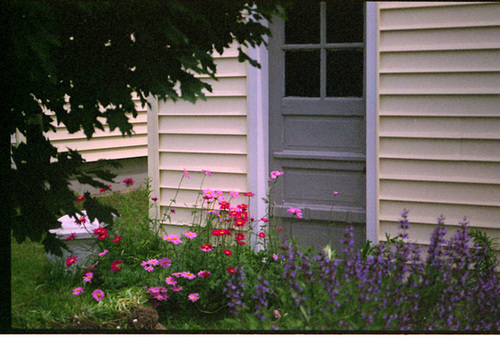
439,115
106,144
209,135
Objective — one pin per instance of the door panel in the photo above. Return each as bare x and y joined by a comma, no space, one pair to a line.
317,120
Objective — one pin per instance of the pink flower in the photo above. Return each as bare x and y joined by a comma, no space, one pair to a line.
234,194
188,275
154,198
264,219
275,257
88,277
170,281
206,172
219,195
165,262
203,274
153,262
190,235
277,314
230,270
275,174
177,274
78,290
149,268
98,295
335,192
116,265
186,173
173,238
206,248
71,237
117,239
71,260
103,253
177,288
193,297
208,194
80,198
227,252
295,211
128,182
262,235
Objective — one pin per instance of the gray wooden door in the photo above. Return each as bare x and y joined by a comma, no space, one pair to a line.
317,118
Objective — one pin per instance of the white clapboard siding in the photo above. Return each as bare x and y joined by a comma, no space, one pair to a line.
439,116
106,144
208,135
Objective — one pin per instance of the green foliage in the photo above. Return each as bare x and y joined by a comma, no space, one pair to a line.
82,61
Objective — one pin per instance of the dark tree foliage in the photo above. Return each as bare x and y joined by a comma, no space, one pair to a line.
82,60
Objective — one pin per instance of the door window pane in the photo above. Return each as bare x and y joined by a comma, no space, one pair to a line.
344,21
302,70
344,73
302,23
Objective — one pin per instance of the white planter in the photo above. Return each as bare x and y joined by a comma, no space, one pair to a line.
83,246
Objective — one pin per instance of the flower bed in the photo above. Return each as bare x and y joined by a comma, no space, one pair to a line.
273,284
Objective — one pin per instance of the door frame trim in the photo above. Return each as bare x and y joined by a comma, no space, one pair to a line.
258,120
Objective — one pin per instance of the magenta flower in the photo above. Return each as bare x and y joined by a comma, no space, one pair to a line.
116,239
71,260
275,257
262,235
117,265
206,172
206,248
170,281
154,198
165,262
249,194
98,295
71,237
78,290
186,173
275,174
102,190
190,235
234,194
149,268
103,253
88,277
177,288
80,198
203,274
295,211
193,297
81,221
128,182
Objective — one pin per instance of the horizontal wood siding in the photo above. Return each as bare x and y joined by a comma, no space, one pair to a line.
439,115
106,144
208,135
